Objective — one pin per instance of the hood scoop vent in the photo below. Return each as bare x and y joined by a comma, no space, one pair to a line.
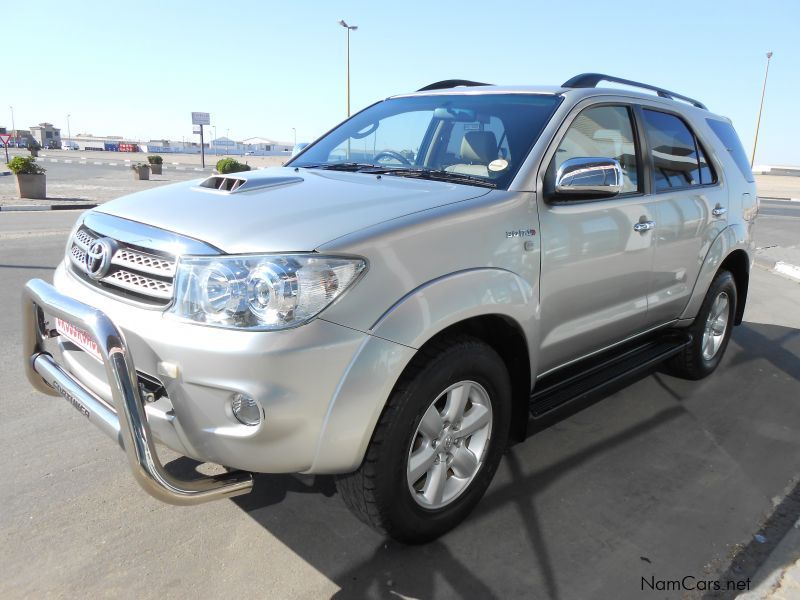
232,184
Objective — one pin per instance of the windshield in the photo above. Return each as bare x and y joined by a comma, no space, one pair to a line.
477,139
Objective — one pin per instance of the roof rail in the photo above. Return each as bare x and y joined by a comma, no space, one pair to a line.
450,83
590,80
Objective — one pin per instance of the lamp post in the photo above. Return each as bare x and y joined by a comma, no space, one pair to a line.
227,141
760,108
349,28
69,133
13,127
294,131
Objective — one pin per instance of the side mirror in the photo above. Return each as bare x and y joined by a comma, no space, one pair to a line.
589,176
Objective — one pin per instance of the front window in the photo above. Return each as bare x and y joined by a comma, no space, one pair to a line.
473,139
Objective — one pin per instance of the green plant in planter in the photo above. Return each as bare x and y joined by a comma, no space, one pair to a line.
25,165
34,147
141,171
30,177
155,163
231,165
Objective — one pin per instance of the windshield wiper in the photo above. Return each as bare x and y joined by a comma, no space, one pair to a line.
433,174
342,166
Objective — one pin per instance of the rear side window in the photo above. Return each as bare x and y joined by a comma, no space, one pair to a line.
727,135
678,158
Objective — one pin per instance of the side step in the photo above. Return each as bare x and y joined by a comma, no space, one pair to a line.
581,379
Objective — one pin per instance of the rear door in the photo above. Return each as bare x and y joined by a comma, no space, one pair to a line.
595,267
691,209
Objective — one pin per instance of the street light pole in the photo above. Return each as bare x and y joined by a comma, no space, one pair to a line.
69,133
760,108
294,131
349,28
13,127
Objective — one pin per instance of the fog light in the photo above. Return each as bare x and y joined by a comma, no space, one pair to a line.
246,409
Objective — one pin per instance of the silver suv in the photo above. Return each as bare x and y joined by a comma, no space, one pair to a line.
397,303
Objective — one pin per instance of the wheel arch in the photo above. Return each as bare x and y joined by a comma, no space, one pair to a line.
506,337
494,305
738,264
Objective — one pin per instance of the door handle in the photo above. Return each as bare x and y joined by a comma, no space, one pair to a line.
719,211
644,226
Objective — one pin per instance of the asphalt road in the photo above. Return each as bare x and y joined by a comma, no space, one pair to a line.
778,224
662,478
91,182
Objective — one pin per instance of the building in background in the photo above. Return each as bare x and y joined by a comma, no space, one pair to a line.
265,147
46,135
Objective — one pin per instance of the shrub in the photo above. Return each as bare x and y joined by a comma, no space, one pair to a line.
155,159
231,165
139,165
25,165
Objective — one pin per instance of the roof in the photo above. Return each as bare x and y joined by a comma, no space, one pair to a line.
575,94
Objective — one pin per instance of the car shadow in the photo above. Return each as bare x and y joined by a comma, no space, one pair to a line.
657,478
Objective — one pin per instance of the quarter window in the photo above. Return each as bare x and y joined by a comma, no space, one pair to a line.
727,135
678,158
603,132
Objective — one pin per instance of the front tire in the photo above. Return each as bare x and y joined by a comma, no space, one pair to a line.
437,444
710,331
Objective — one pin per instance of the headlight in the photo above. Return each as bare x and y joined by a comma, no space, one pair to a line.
266,292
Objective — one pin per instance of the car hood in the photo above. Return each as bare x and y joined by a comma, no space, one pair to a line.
284,209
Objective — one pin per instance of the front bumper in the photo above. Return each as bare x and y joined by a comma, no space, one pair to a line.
126,420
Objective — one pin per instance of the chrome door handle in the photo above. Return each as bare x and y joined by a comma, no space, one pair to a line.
719,211
644,226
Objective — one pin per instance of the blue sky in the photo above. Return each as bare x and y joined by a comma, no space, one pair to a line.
262,68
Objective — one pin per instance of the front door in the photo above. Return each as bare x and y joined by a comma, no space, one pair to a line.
596,268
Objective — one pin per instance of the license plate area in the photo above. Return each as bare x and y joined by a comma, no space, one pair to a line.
79,337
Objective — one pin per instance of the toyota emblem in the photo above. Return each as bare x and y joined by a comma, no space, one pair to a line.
98,258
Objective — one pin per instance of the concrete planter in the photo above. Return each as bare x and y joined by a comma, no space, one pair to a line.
141,173
34,153
31,186
155,169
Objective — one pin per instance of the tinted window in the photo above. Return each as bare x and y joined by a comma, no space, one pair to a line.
707,174
676,161
605,132
727,135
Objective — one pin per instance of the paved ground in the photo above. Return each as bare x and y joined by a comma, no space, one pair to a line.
659,480
79,177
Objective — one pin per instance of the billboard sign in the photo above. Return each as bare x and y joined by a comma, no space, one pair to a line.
201,118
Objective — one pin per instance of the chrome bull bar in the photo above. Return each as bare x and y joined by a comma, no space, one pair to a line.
128,425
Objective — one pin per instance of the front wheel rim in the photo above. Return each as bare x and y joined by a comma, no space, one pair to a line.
716,326
449,445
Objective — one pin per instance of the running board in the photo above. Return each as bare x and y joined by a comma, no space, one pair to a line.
581,379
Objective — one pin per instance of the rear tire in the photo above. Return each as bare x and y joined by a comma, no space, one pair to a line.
420,479
710,331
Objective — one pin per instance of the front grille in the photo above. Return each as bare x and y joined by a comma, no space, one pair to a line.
135,273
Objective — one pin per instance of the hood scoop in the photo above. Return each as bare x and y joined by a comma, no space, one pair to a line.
230,184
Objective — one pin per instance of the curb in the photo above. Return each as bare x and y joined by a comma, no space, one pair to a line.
39,207
778,267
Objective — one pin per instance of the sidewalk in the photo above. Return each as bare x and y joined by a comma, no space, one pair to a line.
779,577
